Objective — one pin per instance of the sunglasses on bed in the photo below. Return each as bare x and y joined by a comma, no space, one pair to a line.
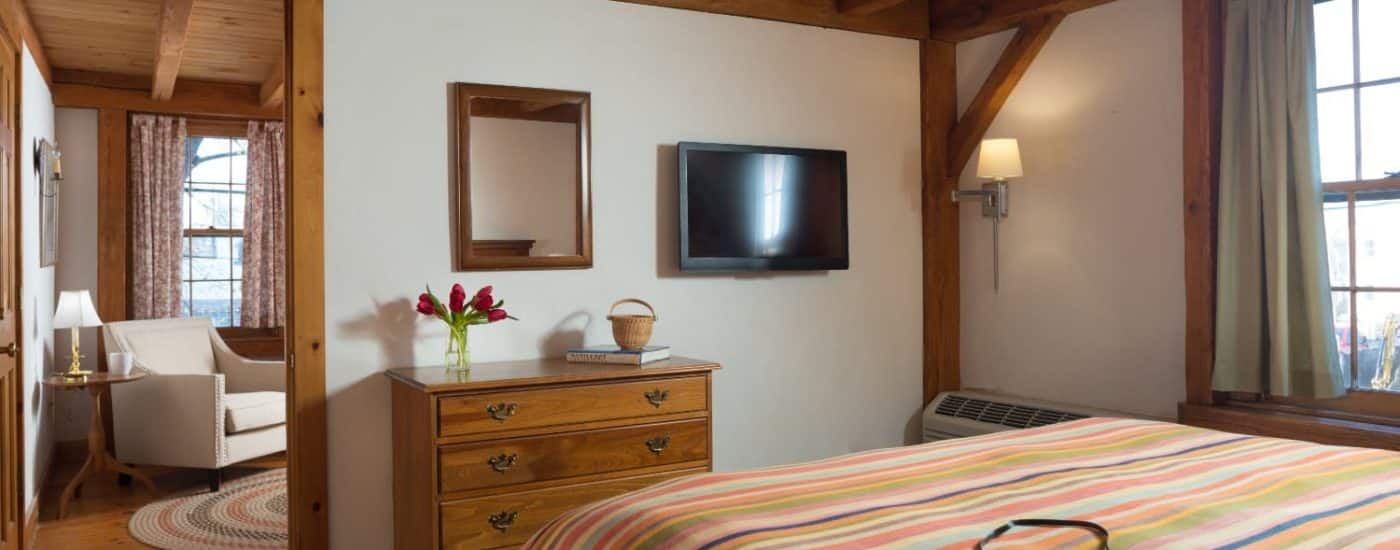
1096,529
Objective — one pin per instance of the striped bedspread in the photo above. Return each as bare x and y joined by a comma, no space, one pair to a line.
1152,484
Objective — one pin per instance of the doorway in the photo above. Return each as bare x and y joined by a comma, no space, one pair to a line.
125,96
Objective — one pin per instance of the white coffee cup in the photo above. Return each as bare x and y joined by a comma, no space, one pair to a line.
119,362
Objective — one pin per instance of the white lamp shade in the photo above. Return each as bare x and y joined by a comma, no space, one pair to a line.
75,310
1000,159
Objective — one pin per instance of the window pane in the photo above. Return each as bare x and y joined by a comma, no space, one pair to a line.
1378,37
212,260
1341,323
1380,131
237,315
1378,314
1334,217
1336,134
238,201
210,162
1332,40
209,207
213,300
1378,239
237,257
238,167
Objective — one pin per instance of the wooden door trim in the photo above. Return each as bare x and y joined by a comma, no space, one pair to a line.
15,467
305,327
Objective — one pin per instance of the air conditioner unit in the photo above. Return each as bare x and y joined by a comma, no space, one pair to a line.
967,413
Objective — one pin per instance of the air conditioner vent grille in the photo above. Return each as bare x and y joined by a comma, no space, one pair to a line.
991,412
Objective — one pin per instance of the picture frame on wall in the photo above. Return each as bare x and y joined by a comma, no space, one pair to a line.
48,169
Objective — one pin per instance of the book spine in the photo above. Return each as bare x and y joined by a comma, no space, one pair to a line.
611,358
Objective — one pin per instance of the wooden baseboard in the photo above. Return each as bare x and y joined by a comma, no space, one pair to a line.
1288,425
31,522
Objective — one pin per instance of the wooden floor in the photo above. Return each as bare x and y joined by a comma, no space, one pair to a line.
98,518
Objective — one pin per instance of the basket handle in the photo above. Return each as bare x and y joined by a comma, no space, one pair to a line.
634,301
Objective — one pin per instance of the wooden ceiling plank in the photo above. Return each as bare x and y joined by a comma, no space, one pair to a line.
906,19
865,7
274,86
173,31
1014,61
30,36
959,20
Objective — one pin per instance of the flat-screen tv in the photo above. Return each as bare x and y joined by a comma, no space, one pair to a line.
747,208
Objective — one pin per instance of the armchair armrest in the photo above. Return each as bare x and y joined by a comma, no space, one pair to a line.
170,420
247,375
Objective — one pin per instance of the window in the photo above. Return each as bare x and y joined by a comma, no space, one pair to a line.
1358,104
215,191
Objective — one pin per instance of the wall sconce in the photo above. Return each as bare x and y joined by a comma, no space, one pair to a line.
999,161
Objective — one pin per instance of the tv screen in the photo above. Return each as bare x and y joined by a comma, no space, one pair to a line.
746,208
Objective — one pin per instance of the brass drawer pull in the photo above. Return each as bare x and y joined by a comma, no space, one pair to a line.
503,520
658,444
502,411
502,462
657,396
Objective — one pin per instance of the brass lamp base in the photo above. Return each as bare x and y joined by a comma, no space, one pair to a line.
75,368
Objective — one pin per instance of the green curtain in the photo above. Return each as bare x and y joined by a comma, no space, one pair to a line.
1274,331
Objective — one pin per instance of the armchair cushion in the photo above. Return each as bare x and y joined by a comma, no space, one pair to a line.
253,410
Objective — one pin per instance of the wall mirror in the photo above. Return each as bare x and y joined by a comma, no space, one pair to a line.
522,178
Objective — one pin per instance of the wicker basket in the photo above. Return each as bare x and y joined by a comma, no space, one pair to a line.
632,332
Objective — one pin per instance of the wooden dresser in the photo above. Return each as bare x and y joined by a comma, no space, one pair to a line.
483,460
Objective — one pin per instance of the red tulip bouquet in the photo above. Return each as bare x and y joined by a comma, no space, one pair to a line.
460,314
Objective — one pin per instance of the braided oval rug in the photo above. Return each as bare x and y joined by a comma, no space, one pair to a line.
250,512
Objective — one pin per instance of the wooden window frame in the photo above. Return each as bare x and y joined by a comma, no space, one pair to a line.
1202,71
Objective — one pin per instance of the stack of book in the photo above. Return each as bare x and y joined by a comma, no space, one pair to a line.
617,355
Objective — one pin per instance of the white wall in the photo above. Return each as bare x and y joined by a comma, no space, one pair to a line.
1091,308
77,250
525,179
814,364
37,290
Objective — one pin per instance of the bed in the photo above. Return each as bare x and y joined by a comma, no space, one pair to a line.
1151,484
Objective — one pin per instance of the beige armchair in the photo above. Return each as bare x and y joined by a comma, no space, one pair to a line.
203,406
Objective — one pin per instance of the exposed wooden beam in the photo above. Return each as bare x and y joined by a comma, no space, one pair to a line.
101,79
992,96
958,20
172,31
865,7
31,39
1202,74
272,90
192,97
906,19
939,110
308,501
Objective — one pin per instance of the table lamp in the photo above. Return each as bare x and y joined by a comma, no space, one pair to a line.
74,312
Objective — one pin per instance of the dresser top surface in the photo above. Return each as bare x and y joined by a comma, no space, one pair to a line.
534,372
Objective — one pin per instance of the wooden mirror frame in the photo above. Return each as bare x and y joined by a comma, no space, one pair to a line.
464,257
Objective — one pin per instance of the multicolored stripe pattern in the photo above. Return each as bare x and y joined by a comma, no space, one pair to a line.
1152,484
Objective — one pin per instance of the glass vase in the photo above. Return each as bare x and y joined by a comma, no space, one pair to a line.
459,356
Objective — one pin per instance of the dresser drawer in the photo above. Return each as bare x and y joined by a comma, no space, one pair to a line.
505,462
506,520
494,412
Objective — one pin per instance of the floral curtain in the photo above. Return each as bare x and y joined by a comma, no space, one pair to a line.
1274,330
264,229
157,150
